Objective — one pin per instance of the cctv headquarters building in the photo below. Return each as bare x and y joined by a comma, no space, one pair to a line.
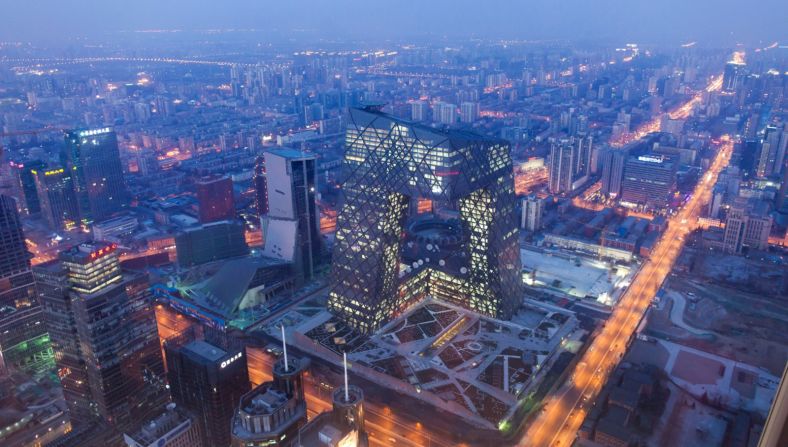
427,212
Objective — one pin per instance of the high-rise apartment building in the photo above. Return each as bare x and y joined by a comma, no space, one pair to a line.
561,166
532,210
445,113
569,164
392,165
291,224
105,339
208,381
93,157
215,197
613,162
469,112
58,200
24,341
419,110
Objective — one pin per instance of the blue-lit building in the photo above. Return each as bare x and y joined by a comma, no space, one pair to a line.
93,157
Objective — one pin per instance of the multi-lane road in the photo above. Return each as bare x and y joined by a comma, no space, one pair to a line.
681,112
565,409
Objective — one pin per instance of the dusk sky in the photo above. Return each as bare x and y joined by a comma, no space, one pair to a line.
722,22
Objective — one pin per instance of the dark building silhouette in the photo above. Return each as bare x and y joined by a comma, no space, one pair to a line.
208,381
57,196
215,196
27,184
211,242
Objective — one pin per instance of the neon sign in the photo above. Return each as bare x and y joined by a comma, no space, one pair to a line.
91,132
103,251
232,359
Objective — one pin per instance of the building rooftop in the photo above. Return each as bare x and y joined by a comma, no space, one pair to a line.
266,401
457,136
322,430
171,420
205,350
451,357
292,154
223,291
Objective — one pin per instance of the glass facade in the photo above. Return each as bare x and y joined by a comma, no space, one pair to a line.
103,330
93,157
208,381
24,342
391,166
58,200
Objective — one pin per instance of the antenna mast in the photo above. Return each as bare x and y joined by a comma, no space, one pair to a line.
284,347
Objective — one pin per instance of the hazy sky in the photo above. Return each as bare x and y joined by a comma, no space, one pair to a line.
723,22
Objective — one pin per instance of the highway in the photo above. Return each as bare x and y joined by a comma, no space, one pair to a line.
383,425
565,409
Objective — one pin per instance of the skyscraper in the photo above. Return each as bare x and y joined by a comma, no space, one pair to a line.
569,164
27,184
733,76
613,171
58,200
215,196
208,381
648,181
345,424
771,152
24,341
533,208
390,165
93,157
260,187
561,165
291,224
104,333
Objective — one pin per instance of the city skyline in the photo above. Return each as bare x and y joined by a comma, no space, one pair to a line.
727,23
369,224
